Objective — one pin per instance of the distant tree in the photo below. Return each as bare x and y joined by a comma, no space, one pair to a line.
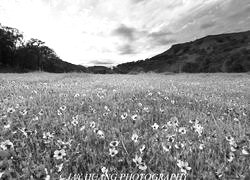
35,45
10,40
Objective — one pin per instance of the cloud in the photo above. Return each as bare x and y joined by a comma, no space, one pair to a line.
126,49
159,34
137,1
160,38
240,14
121,30
125,32
208,25
163,42
102,62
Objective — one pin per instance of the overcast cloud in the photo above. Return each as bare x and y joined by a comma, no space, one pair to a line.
88,31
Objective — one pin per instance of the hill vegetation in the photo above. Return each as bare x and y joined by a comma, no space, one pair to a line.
217,53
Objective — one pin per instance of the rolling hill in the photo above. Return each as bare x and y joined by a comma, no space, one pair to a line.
214,53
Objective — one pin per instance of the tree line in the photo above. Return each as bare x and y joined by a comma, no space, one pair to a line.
18,55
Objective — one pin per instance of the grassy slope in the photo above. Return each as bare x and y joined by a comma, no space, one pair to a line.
203,97
214,53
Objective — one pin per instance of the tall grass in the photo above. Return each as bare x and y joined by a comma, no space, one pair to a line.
57,125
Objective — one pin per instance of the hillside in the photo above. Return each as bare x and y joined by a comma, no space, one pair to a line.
215,53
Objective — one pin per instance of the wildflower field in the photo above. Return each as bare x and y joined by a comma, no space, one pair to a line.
56,125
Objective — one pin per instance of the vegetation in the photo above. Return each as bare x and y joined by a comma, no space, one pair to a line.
56,125
20,56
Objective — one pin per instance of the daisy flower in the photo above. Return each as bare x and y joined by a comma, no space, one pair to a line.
63,108
92,124
95,130
198,128
182,130
134,117
170,139
100,133
137,159
233,149
114,143
59,167
166,147
76,95
142,148
142,166
113,152
6,123
230,157
7,126
59,154
229,138
5,145
59,113
192,121
201,146
173,121
104,170
75,121
183,166
124,115
176,146
11,110
155,126
41,112
245,151
47,175
135,137
47,137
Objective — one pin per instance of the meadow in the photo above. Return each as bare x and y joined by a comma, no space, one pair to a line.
56,125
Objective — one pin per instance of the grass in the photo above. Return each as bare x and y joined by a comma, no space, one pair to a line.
57,125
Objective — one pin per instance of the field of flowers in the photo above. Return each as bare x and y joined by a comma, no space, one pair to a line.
56,125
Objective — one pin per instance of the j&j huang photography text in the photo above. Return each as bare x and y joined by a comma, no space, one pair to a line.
125,89
135,176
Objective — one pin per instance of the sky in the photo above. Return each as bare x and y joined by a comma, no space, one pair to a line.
109,32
